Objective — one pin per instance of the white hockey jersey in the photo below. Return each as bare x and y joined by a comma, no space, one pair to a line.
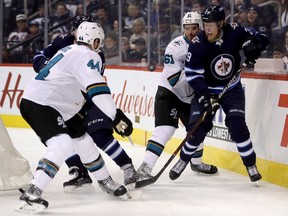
173,74
72,69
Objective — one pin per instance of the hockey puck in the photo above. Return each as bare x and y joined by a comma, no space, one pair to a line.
151,67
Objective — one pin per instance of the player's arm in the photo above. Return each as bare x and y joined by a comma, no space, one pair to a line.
195,77
254,44
194,71
173,64
99,92
39,61
42,57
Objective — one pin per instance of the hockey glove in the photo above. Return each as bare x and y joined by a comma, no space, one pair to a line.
208,104
122,124
251,51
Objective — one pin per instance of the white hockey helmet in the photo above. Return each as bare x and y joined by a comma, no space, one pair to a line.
192,18
87,32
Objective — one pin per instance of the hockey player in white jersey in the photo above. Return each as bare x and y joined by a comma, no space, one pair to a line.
53,97
172,101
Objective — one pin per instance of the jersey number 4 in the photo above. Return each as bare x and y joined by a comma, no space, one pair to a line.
46,70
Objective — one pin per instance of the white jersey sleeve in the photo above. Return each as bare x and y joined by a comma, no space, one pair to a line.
71,71
96,86
173,75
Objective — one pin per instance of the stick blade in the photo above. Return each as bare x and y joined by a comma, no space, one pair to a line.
145,182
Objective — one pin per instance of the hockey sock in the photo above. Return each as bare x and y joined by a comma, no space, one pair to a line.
58,148
91,158
156,144
105,140
197,156
75,161
240,134
191,146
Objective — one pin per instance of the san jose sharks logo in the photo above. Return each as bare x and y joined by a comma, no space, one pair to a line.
177,43
222,66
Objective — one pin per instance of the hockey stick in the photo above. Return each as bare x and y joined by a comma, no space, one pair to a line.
153,179
130,140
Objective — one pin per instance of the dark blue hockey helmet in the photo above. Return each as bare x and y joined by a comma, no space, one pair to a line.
213,13
79,19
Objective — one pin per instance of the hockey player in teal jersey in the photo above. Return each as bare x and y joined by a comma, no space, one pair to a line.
54,97
98,125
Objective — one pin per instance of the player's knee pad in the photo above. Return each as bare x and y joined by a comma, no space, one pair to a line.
237,128
59,148
162,134
86,149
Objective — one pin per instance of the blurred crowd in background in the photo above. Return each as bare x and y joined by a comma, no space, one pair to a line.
144,31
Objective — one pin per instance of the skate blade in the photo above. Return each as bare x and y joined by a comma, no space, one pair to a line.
130,187
132,195
257,183
84,189
32,209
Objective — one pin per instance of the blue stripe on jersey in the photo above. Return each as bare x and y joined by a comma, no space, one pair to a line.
48,167
95,165
194,70
218,89
174,78
195,73
97,89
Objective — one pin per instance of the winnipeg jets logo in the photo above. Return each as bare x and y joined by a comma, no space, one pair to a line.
222,66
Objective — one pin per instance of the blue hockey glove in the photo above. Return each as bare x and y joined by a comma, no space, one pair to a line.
251,51
208,104
254,46
122,124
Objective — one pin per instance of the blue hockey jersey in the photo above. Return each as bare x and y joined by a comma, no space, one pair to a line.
209,66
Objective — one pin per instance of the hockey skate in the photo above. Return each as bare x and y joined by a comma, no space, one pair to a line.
130,176
204,168
31,201
144,172
111,187
177,169
254,175
81,183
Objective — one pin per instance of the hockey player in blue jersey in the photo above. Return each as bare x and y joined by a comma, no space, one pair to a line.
213,58
99,126
172,101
